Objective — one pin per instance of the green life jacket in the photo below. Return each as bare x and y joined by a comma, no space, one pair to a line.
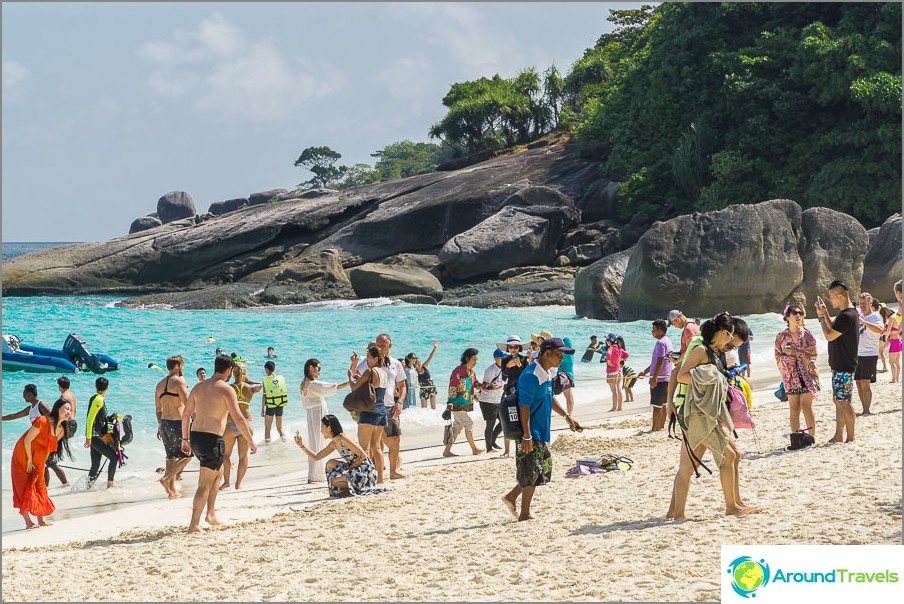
681,389
275,389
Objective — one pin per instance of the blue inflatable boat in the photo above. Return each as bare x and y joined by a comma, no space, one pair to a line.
73,357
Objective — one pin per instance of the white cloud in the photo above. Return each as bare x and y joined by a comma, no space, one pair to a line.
477,47
260,85
13,73
407,78
215,65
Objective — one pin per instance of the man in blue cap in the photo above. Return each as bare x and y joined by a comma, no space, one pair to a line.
533,462
489,398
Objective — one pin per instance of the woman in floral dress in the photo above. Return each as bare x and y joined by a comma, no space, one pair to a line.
352,475
795,355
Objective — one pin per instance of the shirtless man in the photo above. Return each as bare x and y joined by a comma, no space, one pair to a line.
170,396
211,402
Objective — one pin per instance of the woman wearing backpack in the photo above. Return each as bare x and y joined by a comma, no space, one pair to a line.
795,355
706,415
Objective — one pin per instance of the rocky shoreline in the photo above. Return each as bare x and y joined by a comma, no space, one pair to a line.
528,227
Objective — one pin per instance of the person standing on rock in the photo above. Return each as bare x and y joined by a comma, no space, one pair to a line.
843,337
871,328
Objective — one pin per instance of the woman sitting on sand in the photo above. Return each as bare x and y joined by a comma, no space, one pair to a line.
231,436
352,475
461,400
795,355
313,391
46,435
705,412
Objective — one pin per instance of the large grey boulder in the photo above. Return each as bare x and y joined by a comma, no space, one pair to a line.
597,288
256,199
882,266
218,208
325,267
376,280
175,205
515,236
743,259
832,246
144,223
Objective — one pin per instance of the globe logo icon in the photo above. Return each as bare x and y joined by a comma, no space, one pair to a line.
748,575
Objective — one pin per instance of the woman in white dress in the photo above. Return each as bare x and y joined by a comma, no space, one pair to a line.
313,391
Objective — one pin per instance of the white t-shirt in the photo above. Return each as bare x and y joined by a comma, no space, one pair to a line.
492,375
35,411
395,373
869,341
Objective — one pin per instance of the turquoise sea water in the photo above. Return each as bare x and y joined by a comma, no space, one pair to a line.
327,331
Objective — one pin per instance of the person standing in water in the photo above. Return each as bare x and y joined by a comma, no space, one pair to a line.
244,391
170,395
210,402
275,399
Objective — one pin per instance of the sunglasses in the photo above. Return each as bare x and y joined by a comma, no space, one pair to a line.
796,313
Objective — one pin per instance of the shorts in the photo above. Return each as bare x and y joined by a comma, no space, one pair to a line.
535,468
659,395
393,427
744,355
275,411
866,369
171,435
613,377
894,345
209,449
377,417
842,385
427,392
461,420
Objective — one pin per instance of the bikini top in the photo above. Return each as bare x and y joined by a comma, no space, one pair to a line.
240,395
166,391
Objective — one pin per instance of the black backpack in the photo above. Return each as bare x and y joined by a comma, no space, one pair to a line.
509,416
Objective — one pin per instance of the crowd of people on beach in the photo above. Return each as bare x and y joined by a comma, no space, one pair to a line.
691,387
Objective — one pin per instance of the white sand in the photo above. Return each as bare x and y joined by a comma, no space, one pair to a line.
443,534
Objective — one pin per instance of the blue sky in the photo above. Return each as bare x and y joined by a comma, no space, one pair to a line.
108,106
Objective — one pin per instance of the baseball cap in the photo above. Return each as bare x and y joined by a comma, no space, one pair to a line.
610,337
674,314
555,344
498,354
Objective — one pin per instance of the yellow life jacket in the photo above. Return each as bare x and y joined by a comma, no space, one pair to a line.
275,389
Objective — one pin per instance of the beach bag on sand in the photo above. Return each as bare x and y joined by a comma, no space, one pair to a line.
362,399
509,416
737,409
801,440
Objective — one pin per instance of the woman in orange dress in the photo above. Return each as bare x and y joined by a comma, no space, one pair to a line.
29,457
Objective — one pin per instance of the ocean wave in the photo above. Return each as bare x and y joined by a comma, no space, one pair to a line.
327,305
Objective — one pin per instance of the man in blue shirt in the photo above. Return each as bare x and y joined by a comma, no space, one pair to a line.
533,461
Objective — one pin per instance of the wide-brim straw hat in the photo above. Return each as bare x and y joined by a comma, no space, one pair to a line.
513,340
545,334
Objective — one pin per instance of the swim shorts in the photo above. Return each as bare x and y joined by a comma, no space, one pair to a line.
866,369
535,468
842,385
660,394
275,411
209,449
426,391
171,435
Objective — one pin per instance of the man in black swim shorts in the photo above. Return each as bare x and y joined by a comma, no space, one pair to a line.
210,402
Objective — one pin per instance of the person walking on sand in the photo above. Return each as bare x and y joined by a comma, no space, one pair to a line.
885,313
313,392
513,364
210,403
614,356
659,370
352,475
170,395
425,382
688,330
533,461
232,437
462,384
370,423
871,328
489,399
893,335
274,401
795,355
47,434
396,391
843,337
708,422
95,431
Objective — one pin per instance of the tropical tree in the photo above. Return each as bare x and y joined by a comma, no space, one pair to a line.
321,162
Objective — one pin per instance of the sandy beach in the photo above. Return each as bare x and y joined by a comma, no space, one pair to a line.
443,534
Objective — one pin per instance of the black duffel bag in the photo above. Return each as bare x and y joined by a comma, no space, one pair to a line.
509,415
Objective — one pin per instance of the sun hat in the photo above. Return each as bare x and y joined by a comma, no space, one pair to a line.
512,340
545,334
